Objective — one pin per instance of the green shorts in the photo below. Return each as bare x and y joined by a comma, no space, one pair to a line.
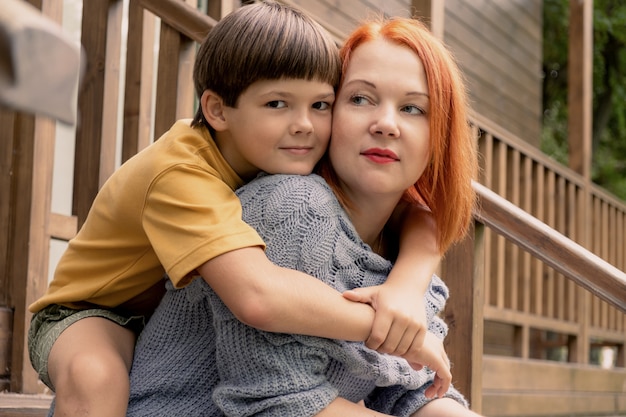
47,324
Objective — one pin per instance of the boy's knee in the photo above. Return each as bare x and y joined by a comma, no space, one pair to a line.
88,371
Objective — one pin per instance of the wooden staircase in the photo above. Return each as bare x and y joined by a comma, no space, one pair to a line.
22,405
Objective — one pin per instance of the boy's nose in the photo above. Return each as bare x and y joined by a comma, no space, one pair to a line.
301,125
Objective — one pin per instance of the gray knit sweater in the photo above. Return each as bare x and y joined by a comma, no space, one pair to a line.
193,346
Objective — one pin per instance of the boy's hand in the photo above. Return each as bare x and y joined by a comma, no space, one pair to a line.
400,322
433,356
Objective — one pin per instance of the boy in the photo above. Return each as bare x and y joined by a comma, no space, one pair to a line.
265,77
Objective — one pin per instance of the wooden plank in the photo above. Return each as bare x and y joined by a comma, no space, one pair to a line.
530,320
432,12
538,211
550,221
110,97
501,85
23,377
463,314
91,105
486,150
513,374
573,234
182,17
20,405
561,299
515,290
501,169
135,79
6,337
527,259
185,94
21,203
7,138
167,80
580,80
62,227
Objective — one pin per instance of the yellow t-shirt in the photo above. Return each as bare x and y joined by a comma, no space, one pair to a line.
170,208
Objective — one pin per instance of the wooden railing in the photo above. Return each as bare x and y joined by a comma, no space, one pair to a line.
552,248
547,253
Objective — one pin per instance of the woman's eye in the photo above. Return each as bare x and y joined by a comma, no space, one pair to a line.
413,110
277,104
321,105
358,100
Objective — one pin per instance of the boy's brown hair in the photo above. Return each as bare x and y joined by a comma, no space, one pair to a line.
263,41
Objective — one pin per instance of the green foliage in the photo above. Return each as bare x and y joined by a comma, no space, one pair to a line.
609,89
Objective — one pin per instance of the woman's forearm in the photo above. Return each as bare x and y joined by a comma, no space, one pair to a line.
419,255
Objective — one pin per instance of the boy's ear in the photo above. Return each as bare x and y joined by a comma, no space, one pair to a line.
213,110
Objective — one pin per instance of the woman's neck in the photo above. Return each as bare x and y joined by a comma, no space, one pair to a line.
369,216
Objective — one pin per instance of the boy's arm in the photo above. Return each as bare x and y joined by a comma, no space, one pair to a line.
275,299
399,303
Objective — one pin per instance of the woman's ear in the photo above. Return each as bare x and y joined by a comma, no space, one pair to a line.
213,110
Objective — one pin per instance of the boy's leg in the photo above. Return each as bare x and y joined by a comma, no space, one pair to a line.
444,407
89,365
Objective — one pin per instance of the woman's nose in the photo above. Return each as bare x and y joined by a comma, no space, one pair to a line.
385,124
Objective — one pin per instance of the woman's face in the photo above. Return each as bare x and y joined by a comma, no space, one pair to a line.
380,135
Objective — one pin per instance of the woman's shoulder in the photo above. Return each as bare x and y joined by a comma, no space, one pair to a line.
285,188
276,197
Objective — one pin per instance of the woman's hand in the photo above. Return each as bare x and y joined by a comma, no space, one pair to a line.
433,355
400,329
400,321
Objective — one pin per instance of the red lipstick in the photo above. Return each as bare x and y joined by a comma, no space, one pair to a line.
380,156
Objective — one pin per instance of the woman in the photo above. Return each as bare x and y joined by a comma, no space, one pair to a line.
399,133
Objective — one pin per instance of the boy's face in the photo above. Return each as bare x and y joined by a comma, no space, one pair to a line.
279,126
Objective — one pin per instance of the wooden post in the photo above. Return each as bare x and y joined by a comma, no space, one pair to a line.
91,102
463,274
580,81
28,250
580,102
138,86
432,12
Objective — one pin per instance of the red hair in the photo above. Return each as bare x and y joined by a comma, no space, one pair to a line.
446,184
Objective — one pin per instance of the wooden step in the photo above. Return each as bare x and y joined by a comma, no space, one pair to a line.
24,405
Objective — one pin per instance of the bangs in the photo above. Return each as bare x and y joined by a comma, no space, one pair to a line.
294,52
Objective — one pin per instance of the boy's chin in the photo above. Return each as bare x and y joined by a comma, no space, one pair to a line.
293,171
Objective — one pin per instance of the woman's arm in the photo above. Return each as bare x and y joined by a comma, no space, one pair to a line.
400,321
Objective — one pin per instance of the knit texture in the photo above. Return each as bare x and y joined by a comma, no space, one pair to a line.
193,334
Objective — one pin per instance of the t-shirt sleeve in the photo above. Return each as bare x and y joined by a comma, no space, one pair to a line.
191,216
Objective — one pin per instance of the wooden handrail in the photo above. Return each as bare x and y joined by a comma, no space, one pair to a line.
182,17
556,250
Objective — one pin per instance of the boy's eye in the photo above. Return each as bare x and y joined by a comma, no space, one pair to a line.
277,104
321,105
